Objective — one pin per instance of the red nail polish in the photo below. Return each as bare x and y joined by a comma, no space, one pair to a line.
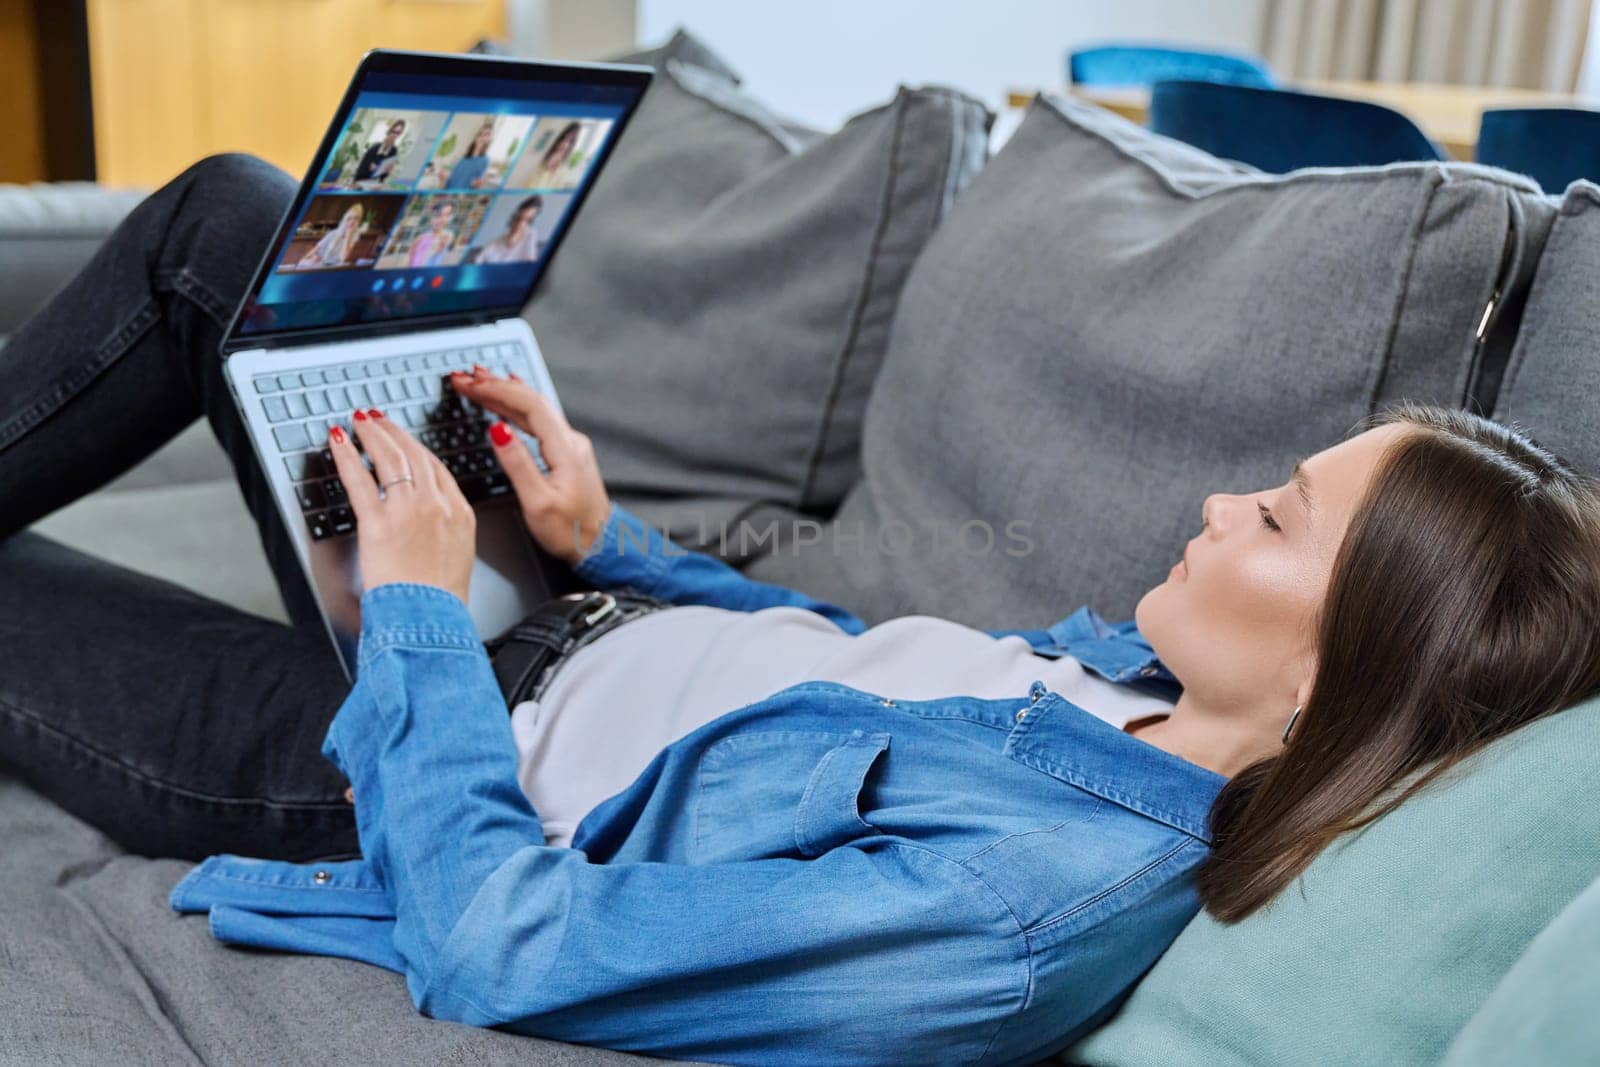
374,413
361,416
501,435
336,434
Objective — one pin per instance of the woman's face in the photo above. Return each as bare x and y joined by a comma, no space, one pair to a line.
522,220
441,217
480,144
352,218
561,149
1235,621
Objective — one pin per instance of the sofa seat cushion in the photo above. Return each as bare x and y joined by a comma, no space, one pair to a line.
1110,326
1393,937
96,968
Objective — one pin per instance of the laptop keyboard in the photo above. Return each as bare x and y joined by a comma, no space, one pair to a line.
413,390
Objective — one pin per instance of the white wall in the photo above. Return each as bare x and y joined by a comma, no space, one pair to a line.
571,29
1589,75
822,60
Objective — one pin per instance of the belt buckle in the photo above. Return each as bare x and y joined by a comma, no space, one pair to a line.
607,604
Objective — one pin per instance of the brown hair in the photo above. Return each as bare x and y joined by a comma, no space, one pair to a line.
1464,603
472,145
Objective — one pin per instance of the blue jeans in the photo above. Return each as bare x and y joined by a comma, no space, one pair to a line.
178,725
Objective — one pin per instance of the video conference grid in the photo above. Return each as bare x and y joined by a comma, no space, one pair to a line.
424,188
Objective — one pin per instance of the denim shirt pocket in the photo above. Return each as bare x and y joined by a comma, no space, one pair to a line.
791,793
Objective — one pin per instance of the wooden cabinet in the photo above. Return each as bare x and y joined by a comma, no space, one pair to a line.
176,80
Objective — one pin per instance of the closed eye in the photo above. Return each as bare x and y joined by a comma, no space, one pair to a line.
1266,518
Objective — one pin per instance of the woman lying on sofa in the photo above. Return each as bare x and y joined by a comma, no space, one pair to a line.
741,825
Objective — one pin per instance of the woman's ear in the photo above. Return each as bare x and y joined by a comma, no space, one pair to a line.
1306,664
1302,693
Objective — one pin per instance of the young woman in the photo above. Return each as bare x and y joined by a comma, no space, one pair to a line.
520,241
911,842
469,171
338,244
430,246
551,173
378,160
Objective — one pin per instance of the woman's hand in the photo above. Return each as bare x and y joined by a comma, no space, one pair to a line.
422,530
566,508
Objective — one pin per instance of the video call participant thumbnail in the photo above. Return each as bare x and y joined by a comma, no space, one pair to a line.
558,154
434,231
381,149
475,151
518,227
340,232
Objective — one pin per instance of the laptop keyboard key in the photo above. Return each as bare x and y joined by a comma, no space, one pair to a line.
496,483
297,405
343,520
317,402
311,496
266,385
291,438
308,465
317,522
276,409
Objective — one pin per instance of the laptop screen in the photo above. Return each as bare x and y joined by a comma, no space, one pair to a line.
440,192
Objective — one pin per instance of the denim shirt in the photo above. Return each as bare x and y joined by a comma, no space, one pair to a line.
825,876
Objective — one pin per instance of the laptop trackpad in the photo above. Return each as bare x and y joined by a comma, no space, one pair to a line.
507,581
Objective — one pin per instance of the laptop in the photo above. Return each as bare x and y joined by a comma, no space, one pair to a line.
435,203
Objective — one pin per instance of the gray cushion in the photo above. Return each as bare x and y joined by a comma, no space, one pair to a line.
719,311
96,968
1111,325
685,48
1554,375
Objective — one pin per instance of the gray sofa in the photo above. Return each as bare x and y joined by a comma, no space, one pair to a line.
1083,335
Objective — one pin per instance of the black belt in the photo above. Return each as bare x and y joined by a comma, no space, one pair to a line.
526,655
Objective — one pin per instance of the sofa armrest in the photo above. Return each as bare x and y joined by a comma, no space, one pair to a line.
47,232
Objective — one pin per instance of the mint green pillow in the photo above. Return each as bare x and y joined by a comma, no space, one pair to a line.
1390,941
1543,1010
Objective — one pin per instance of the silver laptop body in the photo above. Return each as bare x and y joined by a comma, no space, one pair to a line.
384,327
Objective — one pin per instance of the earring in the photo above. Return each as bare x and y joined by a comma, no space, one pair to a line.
1292,718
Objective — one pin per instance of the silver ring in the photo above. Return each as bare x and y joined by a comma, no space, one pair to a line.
397,481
